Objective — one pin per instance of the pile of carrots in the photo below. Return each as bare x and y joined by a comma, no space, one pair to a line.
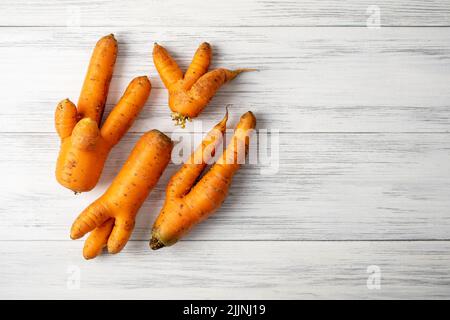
85,145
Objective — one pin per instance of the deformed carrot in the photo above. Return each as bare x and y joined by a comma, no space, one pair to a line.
188,203
189,94
84,147
111,218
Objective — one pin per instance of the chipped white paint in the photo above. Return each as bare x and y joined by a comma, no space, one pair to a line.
363,179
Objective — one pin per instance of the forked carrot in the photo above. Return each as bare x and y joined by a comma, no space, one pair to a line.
188,203
84,146
189,94
110,218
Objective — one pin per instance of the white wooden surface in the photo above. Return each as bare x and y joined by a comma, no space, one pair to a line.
364,172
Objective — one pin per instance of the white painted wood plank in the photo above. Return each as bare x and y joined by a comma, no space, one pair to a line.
239,13
311,80
343,186
227,270
328,187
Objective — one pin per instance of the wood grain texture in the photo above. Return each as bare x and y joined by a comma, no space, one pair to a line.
363,176
228,270
311,80
332,187
236,13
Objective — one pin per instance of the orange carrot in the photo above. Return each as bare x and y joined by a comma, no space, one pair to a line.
187,204
91,102
97,240
65,118
111,217
189,94
84,147
84,152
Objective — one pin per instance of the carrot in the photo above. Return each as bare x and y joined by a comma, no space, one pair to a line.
91,102
97,240
65,118
187,204
189,94
111,218
84,146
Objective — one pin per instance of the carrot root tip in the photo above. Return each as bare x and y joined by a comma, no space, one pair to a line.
238,71
74,235
155,244
88,256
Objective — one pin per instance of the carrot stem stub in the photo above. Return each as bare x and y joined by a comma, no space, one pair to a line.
188,203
